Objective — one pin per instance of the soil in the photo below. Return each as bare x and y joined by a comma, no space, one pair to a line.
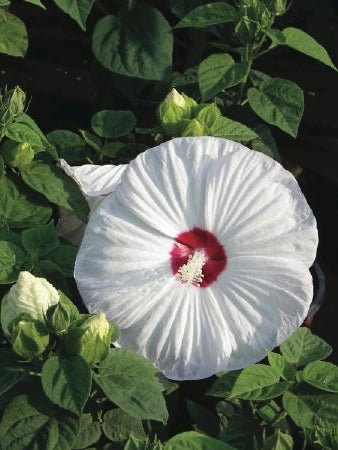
67,86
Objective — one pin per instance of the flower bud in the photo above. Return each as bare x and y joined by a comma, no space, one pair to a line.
174,108
279,7
29,338
91,338
29,295
17,154
194,128
58,318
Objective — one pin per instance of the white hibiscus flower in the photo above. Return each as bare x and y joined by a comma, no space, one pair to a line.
201,255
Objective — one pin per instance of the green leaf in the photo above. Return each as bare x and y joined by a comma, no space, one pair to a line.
64,257
69,146
28,423
305,405
67,382
138,43
241,431
218,72
91,140
49,270
14,40
303,347
258,382
89,432
21,207
24,129
322,375
130,381
265,142
223,385
119,426
68,428
282,367
191,440
113,124
11,373
207,15
278,441
76,9
52,182
12,261
29,338
36,3
326,434
231,129
41,240
302,42
202,419
279,102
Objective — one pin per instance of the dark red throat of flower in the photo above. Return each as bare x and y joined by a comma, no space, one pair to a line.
197,257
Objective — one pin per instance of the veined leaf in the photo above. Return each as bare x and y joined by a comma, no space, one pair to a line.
209,14
119,426
231,129
137,43
303,347
67,382
279,102
40,240
113,124
304,43
90,432
218,72
13,34
191,440
322,375
76,9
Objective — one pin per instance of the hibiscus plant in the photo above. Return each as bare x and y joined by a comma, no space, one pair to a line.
136,260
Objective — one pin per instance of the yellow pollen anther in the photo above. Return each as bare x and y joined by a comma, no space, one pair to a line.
191,272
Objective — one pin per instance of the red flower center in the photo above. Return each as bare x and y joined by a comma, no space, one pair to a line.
197,257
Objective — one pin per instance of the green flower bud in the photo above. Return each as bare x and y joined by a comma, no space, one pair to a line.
29,338
16,100
30,295
59,318
91,338
17,154
174,108
194,128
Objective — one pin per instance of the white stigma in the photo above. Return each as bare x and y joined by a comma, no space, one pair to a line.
191,272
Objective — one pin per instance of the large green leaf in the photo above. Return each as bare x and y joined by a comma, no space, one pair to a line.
28,423
322,375
21,207
11,373
89,433
231,129
302,42
119,426
265,142
137,43
303,347
279,102
191,440
13,34
282,367
131,382
40,240
58,187
12,261
67,382
258,382
209,14
77,9
223,385
306,405
24,129
218,72
69,145
64,257
113,124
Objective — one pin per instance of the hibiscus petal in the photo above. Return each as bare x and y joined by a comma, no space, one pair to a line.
262,212
165,185
95,180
